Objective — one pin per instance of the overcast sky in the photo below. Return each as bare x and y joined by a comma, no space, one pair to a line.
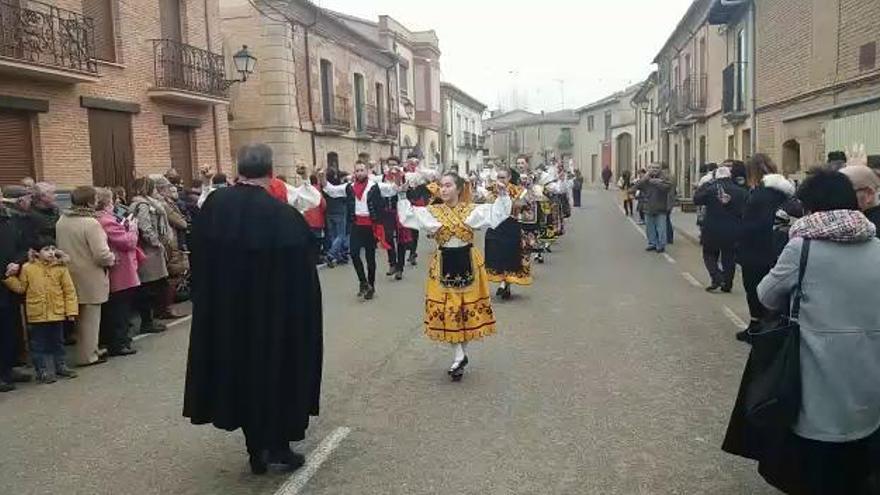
493,49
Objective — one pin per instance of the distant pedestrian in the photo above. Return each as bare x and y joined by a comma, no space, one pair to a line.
81,237
50,300
625,183
336,220
255,355
654,188
724,202
758,244
577,187
606,177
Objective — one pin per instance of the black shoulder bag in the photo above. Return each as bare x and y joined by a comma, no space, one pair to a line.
773,396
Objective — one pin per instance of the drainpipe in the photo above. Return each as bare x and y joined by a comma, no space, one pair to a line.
309,89
754,68
214,118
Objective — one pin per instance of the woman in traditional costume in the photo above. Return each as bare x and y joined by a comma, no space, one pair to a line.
457,300
508,257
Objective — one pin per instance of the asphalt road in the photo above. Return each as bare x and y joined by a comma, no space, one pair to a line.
613,374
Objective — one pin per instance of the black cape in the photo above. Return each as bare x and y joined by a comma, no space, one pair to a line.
256,346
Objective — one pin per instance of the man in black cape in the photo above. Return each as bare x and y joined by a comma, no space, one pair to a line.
256,345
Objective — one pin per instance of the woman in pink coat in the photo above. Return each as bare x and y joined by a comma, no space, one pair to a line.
122,236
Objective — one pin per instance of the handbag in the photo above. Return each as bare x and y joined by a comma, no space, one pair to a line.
773,396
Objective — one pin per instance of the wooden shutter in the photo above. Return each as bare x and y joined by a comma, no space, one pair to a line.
181,152
112,152
16,147
101,11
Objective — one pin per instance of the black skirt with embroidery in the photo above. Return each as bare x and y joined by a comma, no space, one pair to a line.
456,266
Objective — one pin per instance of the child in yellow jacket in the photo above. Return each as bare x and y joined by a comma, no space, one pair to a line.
50,299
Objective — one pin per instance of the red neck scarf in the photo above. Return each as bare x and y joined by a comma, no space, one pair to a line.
359,188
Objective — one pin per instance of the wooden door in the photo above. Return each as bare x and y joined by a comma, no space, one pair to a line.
169,18
180,141
112,151
172,59
16,147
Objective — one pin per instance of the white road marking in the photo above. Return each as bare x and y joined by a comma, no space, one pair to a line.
669,258
636,226
691,279
179,321
299,479
621,209
734,318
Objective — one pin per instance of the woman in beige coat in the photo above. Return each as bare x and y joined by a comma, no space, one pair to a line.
80,235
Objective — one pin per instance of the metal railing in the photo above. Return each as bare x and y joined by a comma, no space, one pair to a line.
340,116
188,68
689,98
47,35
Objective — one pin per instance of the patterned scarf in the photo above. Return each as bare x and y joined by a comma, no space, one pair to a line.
82,211
847,226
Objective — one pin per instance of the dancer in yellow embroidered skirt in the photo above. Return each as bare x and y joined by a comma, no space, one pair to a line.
457,300
508,257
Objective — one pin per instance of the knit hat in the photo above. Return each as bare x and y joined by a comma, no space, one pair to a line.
861,177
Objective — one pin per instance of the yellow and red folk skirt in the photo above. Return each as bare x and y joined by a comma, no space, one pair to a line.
508,254
457,301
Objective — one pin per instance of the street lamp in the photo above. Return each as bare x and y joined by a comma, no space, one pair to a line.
244,64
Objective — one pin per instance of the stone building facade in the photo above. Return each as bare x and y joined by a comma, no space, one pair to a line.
818,79
418,72
606,135
88,97
462,137
539,137
648,140
690,70
322,94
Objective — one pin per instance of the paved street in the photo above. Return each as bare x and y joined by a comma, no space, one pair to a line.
614,374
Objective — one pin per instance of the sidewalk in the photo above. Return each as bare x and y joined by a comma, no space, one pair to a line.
685,224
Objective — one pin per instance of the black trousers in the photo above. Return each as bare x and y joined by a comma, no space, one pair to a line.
752,276
10,328
149,299
576,196
397,251
362,240
115,314
724,274
257,441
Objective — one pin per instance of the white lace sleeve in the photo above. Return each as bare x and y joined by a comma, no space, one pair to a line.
416,217
336,191
490,215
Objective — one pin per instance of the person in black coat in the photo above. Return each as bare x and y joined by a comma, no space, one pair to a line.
13,251
724,202
759,243
256,344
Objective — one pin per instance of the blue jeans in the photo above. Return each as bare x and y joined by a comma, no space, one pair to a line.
655,228
47,347
337,236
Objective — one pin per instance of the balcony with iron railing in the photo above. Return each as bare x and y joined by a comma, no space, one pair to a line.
337,117
44,42
188,74
688,100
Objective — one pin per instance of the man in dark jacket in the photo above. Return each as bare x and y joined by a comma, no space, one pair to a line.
364,199
256,344
724,202
337,222
654,189
606,177
12,252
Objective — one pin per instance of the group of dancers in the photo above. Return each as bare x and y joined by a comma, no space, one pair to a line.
524,210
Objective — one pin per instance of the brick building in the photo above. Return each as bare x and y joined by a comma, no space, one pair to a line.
818,78
100,91
322,92
461,143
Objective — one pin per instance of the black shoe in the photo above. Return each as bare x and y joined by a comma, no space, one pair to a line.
743,336
65,372
331,264
156,327
505,294
458,367
258,464
6,386
713,287
19,377
412,260
650,248
125,351
661,251
362,291
398,275
727,289
390,273
370,293
287,460
499,292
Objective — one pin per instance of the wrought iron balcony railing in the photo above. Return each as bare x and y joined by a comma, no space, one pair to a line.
49,36
183,67
689,98
339,116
